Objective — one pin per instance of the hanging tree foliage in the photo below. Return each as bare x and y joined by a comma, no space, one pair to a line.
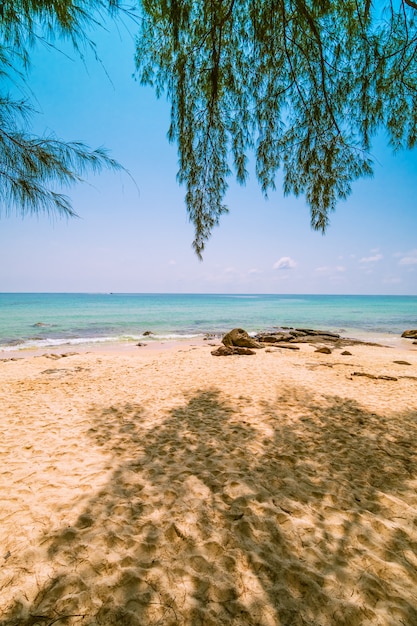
33,169
303,84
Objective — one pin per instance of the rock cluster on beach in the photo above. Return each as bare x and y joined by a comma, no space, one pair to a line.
238,341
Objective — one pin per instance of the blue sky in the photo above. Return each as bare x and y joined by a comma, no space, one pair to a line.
137,238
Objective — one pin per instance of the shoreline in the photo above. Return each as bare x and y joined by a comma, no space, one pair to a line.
116,347
163,344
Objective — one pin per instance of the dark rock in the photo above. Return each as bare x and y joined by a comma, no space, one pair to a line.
324,350
288,346
324,333
346,353
402,362
318,338
374,377
230,350
323,338
240,338
297,333
147,333
267,338
410,334
140,345
274,337
364,374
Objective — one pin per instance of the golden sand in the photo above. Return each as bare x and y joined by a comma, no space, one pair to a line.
172,487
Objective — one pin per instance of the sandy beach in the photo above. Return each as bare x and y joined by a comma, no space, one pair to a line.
171,487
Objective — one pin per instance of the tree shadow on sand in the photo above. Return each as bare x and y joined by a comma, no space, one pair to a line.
209,520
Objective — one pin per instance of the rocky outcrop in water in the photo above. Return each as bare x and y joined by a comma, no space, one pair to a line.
284,337
306,335
298,335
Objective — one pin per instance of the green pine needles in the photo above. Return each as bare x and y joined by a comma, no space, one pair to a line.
33,169
304,85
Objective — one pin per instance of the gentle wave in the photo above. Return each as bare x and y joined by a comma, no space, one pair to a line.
52,343
78,341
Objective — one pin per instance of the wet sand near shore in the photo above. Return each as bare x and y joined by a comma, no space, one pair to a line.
168,486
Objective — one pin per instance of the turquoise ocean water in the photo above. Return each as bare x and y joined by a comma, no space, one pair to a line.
40,320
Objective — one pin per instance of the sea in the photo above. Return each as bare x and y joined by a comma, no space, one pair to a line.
30,321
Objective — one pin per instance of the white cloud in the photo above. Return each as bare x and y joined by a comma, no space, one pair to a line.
409,259
254,271
371,259
172,262
285,263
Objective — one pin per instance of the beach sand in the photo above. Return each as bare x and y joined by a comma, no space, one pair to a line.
172,487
